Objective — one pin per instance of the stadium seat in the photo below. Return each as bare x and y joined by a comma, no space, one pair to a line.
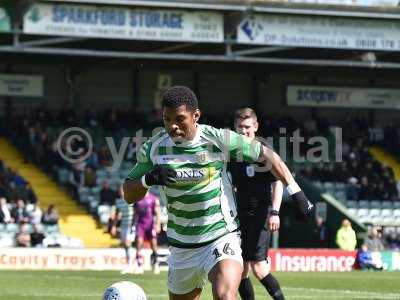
95,190
387,204
7,240
63,175
12,228
104,213
363,204
352,204
375,204
51,229
340,195
352,211
374,212
387,216
396,216
363,212
396,205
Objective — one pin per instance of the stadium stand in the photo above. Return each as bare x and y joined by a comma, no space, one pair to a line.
363,182
74,228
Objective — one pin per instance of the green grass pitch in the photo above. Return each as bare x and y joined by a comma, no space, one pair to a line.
89,285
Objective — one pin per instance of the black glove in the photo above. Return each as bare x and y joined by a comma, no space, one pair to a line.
304,208
160,176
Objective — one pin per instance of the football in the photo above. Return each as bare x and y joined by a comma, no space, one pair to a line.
124,290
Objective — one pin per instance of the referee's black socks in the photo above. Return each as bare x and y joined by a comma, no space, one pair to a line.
273,287
246,290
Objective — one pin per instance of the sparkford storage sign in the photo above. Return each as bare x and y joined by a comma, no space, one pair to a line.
320,32
124,23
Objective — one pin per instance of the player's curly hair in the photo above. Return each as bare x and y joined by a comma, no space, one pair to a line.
176,96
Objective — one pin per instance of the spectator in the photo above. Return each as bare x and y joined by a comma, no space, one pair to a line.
346,237
19,180
353,189
107,195
5,215
51,216
30,194
321,233
375,242
366,192
37,236
393,241
23,238
19,213
89,177
365,260
35,215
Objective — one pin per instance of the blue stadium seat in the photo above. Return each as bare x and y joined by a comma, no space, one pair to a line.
375,204
387,204
63,175
352,204
363,204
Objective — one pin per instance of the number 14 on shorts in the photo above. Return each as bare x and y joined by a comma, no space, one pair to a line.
226,250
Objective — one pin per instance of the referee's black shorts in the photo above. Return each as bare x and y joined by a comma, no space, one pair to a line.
255,239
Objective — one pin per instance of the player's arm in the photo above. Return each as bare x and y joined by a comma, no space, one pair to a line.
276,200
144,174
134,190
281,172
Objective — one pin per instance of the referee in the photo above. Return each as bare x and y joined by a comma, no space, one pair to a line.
255,192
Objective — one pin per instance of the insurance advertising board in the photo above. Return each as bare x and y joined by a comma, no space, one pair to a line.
358,97
320,32
124,23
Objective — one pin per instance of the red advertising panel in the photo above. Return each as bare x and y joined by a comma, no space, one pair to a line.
311,260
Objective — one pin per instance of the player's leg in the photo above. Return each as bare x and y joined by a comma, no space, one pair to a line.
126,244
184,274
225,278
248,245
139,246
246,290
154,248
223,265
193,295
261,267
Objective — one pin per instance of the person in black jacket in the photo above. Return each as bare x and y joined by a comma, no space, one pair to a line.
259,197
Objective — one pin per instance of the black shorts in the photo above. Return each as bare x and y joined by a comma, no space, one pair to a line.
255,240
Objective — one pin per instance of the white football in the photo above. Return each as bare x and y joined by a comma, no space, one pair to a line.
124,290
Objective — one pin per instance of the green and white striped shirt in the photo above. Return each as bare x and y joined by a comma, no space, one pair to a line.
201,205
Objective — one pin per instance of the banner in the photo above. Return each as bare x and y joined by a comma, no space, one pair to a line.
285,260
320,32
325,96
311,260
21,85
124,23
71,259
5,25
381,3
